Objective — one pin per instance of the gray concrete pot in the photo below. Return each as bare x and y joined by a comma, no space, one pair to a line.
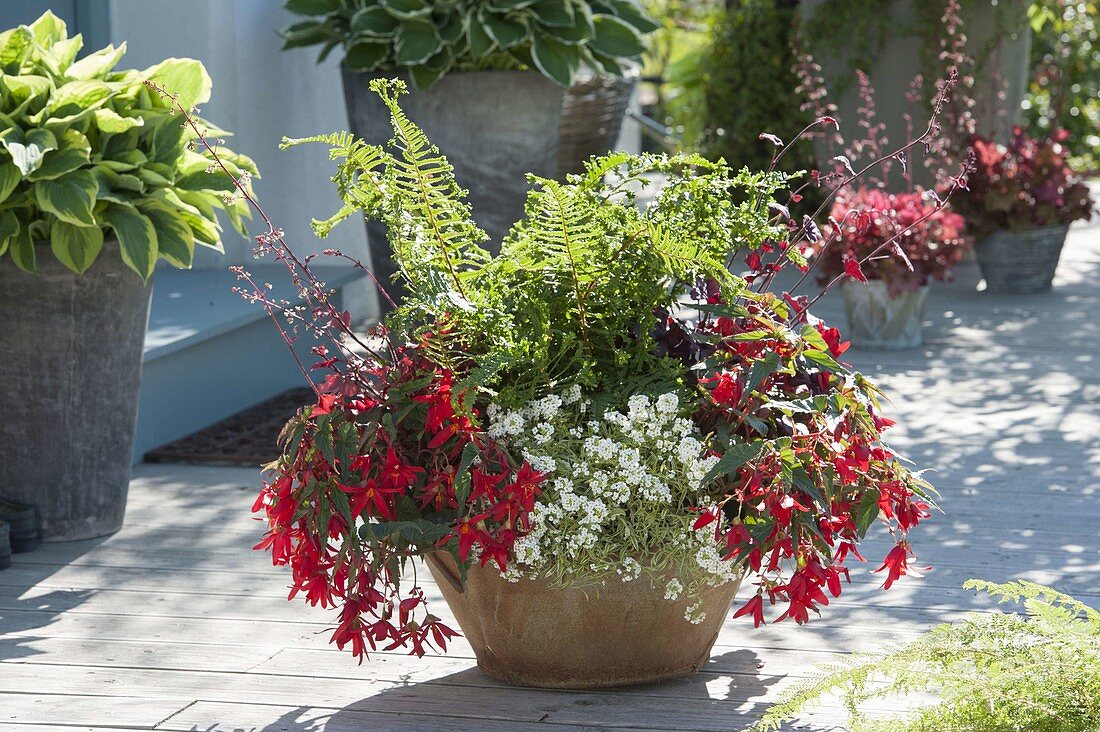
1021,261
69,378
878,322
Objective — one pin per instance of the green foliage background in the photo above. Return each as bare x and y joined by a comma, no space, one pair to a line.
1065,83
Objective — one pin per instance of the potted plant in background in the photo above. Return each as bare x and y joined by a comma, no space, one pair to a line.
506,88
98,181
884,298
560,439
1020,201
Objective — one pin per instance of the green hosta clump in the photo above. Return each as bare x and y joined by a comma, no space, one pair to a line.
556,37
87,150
993,672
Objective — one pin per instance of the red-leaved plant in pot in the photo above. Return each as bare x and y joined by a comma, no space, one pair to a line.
1019,203
885,297
590,439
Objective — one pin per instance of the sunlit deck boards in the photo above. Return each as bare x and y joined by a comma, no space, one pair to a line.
175,624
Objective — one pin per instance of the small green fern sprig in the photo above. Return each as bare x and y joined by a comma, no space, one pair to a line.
411,187
991,672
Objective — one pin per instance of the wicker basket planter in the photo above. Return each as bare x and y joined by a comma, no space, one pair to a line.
592,115
530,633
1021,261
879,322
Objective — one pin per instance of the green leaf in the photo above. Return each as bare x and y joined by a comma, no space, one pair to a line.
761,370
555,13
733,458
9,229
184,77
216,180
373,21
306,33
416,42
479,41
136,237
48,29
15,44
78,96
504,31
557,61
23,251
76,247
205,230
111,122
616,38
824,360
366,56
97,65
175,240
28,150
462,475
57,163
866,512
9,179
70,197
407,9
453,29
312,7
632,13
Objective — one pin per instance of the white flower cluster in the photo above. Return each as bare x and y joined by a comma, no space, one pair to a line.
618,484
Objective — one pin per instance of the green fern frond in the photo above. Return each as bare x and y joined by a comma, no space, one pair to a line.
991,672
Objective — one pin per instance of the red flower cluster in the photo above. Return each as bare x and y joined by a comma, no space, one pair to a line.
386,466
929,238
803,471
1024,185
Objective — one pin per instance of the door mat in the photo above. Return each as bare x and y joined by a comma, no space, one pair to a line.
247,438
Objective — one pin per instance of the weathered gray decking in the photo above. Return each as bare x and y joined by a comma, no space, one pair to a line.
174,624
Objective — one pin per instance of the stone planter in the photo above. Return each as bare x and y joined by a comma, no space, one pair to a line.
69,380
495,127
530,633
880,323
1020,261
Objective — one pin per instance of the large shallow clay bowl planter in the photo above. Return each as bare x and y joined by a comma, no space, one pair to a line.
1021,261
878,322
530,633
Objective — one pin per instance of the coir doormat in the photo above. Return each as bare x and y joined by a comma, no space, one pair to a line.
247,438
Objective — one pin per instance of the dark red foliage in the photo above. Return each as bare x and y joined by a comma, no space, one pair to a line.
1023,185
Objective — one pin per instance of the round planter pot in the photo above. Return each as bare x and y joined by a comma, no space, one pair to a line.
880,323
69,381
1021,261
530,633
494,127
591,119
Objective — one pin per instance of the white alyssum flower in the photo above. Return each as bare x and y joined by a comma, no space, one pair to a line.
616,480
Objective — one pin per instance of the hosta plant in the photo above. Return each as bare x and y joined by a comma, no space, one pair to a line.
1026,184
88,151
609,398
865,218
555,37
